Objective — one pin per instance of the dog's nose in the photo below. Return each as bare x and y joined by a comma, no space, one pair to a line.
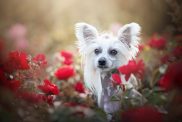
102,61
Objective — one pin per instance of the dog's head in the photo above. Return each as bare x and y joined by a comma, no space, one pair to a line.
105,51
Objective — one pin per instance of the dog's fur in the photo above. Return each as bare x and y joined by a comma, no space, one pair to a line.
93,47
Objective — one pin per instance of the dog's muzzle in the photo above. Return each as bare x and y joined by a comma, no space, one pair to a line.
102,63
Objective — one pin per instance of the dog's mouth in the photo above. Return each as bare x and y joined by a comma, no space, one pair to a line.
102,67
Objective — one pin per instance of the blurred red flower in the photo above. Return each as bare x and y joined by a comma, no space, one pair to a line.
16,61
35,98
31,97
132,68
172,77
49,88
79,87
142,114
177,51
166,58
116,79
13,85
40,59
158,43
65,72
2,76
68,57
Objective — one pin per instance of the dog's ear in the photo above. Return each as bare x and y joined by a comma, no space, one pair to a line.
129,35
85,32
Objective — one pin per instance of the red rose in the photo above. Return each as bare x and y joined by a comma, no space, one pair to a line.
48,99
166,58
49,88
31,97
158,43
13,84
64,72
16,61
2,76
116,79
177,51
79,87
68,57
35,98
40,59
172,77
132,68
66,54
142,114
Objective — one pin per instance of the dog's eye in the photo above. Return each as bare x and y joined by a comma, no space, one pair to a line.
97,51
113,52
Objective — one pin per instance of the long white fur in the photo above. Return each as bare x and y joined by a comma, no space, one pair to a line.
87,35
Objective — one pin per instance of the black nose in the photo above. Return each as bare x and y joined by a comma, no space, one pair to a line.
102,61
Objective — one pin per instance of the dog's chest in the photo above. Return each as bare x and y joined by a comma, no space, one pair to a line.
107,85
108,91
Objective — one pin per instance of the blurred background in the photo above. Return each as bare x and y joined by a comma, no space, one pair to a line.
50,23
41,79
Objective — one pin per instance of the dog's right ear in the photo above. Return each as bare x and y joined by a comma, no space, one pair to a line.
85,32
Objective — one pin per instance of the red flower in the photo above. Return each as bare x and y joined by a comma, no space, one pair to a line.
40,59
31,97
48,99
164,59
172,77
68,61
142,114
79,87
66,54
132,68
158,43
64,72
49,88
35,98
2,76
13,85
177,52
68,57
16,61
116,79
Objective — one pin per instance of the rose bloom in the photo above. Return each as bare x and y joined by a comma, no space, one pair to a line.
79,87
66,54
13,85
68,57
177,51
35,98
40,59
142,114
16,61
158,43
172,78
132,68
65,72
49,88
116,79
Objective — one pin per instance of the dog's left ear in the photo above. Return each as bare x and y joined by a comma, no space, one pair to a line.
129,35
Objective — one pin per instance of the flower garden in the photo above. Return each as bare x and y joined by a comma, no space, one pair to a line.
37,87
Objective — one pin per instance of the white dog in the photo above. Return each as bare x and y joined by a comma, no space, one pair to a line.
101,54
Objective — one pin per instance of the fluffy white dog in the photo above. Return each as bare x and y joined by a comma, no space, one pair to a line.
101,54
